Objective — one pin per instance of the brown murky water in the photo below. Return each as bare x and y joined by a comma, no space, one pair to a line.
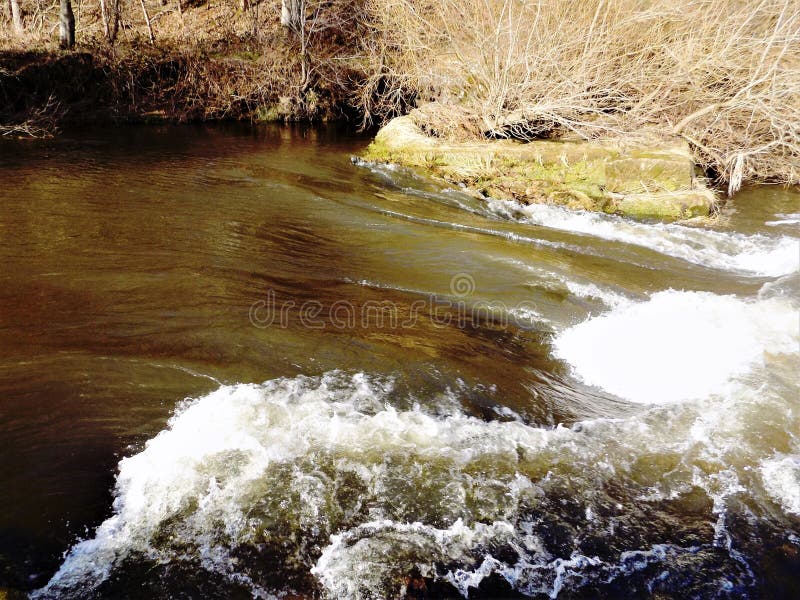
462,394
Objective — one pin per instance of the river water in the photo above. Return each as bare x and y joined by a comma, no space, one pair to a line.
234,363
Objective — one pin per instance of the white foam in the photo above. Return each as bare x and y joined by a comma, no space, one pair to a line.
590,290
758,255
678,345
525,315
365,548
781,477
354,565
381,492
221,451
785,219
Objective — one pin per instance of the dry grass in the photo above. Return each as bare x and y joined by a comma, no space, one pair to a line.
724,74
210,60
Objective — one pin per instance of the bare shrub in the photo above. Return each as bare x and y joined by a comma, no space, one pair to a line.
41,122
724,74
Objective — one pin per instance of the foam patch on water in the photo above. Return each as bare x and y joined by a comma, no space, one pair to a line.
758,255
353,564
678,345
781,476
360,547
785,219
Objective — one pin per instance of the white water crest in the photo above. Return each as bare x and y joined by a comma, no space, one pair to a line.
359,547
785,219
508,235
328,463
581,288
781,476
755,255
678,345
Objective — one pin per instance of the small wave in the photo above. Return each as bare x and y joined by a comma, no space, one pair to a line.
423,543
348,567
781,476
678,345
590,290
509,235
579,288
526,316
785,219
755,255
377,285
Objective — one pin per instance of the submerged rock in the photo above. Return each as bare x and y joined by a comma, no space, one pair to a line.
647,180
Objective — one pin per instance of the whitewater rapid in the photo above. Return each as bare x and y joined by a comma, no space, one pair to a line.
342,481
327,462
754,255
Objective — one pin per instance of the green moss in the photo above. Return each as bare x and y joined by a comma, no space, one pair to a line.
657,174
664,207
644,183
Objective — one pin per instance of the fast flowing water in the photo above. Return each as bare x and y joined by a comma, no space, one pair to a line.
233,363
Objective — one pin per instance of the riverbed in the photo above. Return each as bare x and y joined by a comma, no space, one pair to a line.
235,362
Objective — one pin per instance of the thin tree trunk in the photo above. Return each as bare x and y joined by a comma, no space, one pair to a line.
147,20
104,16
245,5
66,29
180,10
16,16
290,13
304,62
114,21
293,18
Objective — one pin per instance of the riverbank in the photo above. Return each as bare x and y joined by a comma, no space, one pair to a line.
188,63
728,88
41,91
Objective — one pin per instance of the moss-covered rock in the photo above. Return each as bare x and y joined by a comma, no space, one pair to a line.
665,206
647,181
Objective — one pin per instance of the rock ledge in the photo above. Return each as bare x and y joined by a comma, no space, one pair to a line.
653,180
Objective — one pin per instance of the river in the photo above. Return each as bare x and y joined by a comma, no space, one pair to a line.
236,363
